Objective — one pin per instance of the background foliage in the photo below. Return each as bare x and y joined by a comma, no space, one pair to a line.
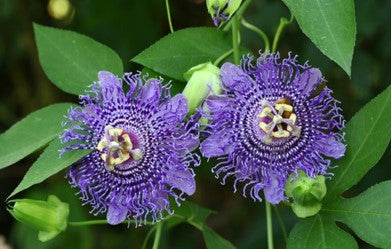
128,27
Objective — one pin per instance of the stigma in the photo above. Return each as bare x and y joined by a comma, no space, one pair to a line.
117,147
278,121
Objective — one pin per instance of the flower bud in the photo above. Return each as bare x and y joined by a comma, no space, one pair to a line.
48,217
307,193
202,80
222,10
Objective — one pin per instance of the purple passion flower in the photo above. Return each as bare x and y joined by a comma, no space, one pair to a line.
270,121
141,148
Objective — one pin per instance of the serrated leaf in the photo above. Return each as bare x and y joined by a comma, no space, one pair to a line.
368,134
319,232
176,53
71,60
331,26
48,164
31,133
214,241
368,215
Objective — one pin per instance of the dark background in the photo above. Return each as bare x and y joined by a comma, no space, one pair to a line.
129,26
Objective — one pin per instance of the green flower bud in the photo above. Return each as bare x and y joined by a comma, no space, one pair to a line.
307,193
202,80
48,217
222,10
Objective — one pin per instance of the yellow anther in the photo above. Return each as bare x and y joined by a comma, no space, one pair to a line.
115,132
292,117
283,107
103,156
264,127
280,134
127,140
119,160
102,144
266,112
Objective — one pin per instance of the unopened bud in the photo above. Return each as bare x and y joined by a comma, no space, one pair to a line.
222,10
307,193
48,217
202,80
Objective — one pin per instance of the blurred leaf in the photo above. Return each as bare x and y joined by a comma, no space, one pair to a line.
48,164
319,232
31,133
214,241
369,214
175,53
71,60
330,25
368,134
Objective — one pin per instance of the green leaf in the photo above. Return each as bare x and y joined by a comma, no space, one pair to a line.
368,215
214,241
319,232
368,134
192,213
176,53
31,133
48,164
71,60
330,25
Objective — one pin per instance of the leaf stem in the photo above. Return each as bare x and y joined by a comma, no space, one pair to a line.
238,13
100,222
281,223
222,57
281,26
169,16
269,225
235,39
259,32
158,234
149,234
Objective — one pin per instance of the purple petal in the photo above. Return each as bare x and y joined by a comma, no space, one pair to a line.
217,103
182,179
308,81
151,92
235,78
174,110
217,144
108,79
331,147
274,193
116,214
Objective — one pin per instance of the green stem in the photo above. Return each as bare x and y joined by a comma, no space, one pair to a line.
239,13
235,39
99,222
259,32
281,223
149,234
169,16
222,57
281,26
269,225
158,234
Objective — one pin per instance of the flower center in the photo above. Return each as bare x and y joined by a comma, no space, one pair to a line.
278,121
118,146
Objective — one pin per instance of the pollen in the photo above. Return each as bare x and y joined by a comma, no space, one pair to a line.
117,148
278,120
